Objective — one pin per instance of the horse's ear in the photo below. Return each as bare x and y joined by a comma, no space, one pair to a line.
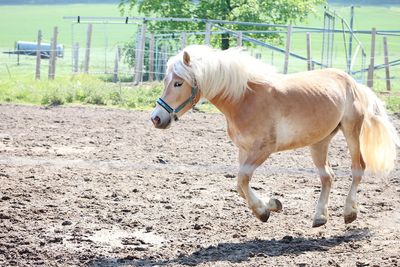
186,58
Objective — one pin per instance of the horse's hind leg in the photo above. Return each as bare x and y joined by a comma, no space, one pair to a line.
351,131
319,153
248,163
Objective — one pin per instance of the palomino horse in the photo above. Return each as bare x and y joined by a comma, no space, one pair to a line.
268,112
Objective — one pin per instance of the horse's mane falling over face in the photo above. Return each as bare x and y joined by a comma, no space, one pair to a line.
224,73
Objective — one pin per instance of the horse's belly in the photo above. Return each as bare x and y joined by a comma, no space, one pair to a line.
291,133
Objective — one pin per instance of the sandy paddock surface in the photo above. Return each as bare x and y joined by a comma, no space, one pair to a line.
83,186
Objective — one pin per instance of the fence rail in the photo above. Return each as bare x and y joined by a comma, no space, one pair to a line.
98,49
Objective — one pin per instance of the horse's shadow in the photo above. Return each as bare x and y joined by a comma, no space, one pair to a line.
240,252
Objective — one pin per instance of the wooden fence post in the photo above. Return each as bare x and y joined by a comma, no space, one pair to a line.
239,39
349,59
370,79
38,55
140,55
287,49
183,40
151,57
116,65
53,55
87,50
75,58
310,65
208,34
386,60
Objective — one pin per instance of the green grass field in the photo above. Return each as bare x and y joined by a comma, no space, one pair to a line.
21,22
366,17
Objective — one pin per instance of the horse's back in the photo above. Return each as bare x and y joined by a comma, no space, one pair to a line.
310,106
325,82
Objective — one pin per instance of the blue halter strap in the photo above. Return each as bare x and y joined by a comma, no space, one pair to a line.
188,101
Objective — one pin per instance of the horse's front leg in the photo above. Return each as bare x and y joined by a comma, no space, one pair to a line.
261,208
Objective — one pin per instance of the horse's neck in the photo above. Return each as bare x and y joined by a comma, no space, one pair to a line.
231,108
225,106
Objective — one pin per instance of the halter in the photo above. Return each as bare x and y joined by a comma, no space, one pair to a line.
172,111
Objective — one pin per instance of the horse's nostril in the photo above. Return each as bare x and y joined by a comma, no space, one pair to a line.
156,120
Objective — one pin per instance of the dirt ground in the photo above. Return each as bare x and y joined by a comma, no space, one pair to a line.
83,186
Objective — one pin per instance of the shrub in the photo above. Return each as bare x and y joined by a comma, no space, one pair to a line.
52,100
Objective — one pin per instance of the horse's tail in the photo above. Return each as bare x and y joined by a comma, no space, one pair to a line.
378,137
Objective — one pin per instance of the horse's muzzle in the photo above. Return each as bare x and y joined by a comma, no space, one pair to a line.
159,124
156,121
160,118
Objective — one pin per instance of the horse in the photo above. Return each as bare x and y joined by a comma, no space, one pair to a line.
267,112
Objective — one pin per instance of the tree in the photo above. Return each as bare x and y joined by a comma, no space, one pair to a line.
266,11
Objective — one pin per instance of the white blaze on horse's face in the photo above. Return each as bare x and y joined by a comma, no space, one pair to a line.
176,92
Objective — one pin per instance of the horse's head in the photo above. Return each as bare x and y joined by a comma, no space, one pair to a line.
180,92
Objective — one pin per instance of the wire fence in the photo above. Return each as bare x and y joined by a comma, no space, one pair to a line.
123,50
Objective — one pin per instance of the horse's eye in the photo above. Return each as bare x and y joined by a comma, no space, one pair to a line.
178,84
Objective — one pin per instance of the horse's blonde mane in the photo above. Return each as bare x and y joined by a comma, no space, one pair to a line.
225,73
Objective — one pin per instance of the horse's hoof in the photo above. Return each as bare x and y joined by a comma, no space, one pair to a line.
275,205
350,217
319,222
264,217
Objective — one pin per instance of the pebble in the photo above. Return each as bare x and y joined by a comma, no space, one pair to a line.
65,223
130,257
160,160
361,264
4,216
197,227
56,240
140,249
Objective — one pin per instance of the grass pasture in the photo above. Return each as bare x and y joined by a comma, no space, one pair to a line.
105,38
21,22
